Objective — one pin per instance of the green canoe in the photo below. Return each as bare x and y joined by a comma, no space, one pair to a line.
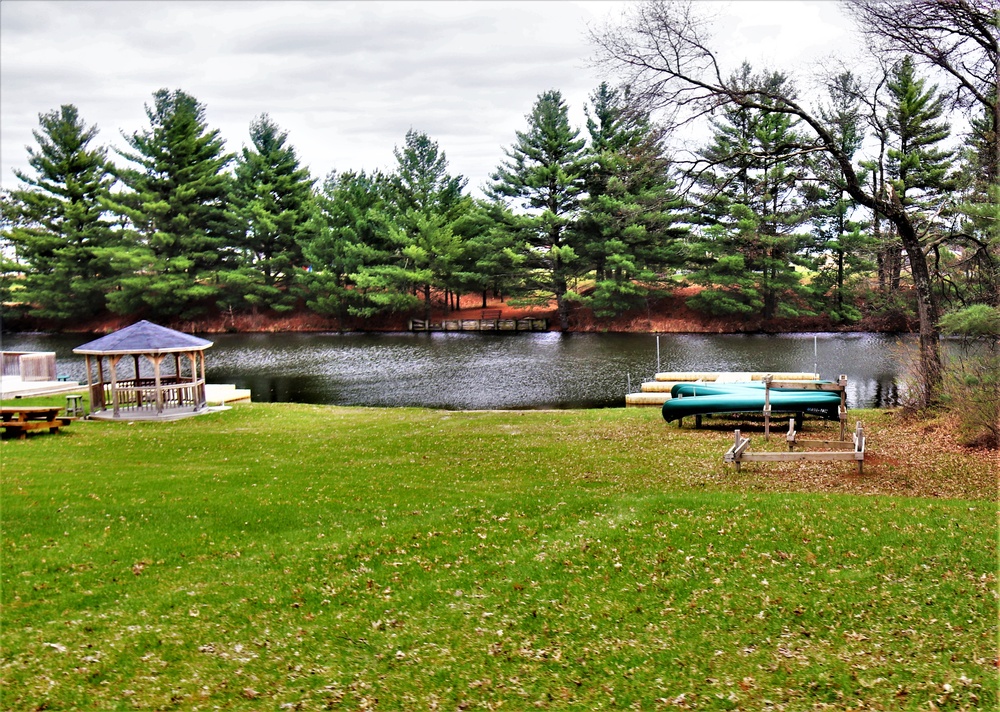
751,400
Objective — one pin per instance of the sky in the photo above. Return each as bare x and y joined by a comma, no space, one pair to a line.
347,80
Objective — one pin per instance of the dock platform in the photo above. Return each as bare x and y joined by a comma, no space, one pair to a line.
225,394
503,325
15,387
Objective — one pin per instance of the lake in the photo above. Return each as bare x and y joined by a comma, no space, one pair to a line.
477,371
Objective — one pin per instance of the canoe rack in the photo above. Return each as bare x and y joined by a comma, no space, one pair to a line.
833,449
840,387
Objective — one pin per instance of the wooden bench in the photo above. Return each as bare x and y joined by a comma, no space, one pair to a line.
20,420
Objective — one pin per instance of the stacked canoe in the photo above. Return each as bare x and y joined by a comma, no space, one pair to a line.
655,393
706,399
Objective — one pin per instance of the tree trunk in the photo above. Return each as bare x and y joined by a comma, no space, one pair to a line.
839,301
894,259
927,312
562,306
562,309
892,209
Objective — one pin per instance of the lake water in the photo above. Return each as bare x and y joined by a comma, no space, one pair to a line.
512,371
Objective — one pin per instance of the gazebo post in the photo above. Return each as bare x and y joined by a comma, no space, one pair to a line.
201,382
138,385
179,379
192,362
159,388
90,382
112,367
100,377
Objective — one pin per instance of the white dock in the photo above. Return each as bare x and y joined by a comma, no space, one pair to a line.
225,394
15,387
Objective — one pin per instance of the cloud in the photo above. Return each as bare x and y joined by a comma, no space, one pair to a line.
346,80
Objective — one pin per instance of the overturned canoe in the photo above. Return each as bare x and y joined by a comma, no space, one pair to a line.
751,400
689,390
713,389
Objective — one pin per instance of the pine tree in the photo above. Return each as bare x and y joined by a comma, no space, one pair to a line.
421,180
57,224
272,204
427,200
543,176
490,260
842,246
626,229
915,167
176,208
918,165
983,223
982,144
351,235
981,253
754,208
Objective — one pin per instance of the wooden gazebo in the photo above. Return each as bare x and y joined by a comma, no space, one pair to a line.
130,373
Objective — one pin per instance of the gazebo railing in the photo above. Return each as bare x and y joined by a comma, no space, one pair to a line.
141,394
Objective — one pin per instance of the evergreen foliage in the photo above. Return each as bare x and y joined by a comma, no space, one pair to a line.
841,245
272,205
626,231
918,169
561,211
979,275
57,223
175,208
918,164
421,181
351,237
426,202
543,177
754,210
490,259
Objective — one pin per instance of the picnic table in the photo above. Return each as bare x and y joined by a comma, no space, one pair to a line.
21,419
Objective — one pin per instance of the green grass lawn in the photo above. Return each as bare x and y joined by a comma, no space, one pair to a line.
313,557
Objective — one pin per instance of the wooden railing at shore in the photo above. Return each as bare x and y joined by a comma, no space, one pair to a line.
480,325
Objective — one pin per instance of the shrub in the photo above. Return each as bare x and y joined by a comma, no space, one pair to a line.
972,378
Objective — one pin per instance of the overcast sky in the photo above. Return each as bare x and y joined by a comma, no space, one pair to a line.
346,80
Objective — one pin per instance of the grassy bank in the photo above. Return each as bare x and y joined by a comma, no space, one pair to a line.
310,557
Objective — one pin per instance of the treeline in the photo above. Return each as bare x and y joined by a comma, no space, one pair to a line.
600,216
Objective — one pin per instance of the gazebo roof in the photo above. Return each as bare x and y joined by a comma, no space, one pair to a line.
143,337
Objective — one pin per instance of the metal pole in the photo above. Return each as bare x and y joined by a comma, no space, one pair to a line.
657,353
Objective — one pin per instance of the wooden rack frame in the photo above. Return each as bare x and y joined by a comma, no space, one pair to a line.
839,387
836,449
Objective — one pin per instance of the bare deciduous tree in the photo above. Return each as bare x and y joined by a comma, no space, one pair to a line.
959,37
660,49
